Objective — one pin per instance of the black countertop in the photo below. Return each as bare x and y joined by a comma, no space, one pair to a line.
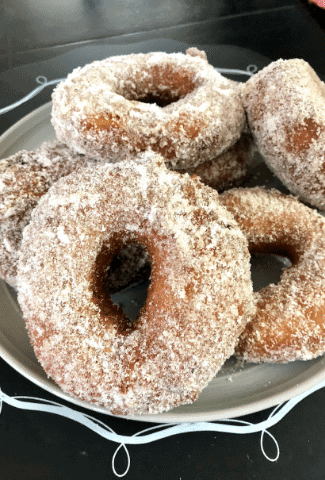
49,40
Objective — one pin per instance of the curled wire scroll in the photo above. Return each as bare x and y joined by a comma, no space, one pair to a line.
158,432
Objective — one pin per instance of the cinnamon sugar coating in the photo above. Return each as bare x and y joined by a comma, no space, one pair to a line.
199,299
285,104
228,169
174,104
24,178
289,322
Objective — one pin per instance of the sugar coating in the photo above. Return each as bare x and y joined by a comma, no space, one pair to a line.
199,299
24,178
105,108
228,169
285,104
289,321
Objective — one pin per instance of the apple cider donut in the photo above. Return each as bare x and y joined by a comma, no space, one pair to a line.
285,104
24,178
174,104
289,322
199,299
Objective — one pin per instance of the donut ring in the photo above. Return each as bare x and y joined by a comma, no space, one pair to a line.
24,178
174,104
198,302
289,321
285,104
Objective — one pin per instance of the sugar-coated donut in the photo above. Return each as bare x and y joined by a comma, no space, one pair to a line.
174,104
24,178
289,323
199,299
228,169
285,104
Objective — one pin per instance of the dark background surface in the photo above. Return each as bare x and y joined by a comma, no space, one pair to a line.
34,38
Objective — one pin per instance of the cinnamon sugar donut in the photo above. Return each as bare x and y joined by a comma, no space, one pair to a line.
289,322
285,104
174,104
228,169
199,299
24,178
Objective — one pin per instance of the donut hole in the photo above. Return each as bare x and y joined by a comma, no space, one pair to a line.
115,270
132,300
267,268
162,99
129,265
160,85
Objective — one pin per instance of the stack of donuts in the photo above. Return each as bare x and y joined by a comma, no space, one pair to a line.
144,180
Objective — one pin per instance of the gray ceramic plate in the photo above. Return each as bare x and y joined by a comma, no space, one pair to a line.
237,389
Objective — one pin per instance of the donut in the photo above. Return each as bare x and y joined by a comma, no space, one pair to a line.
289,321
230,168
285,105
175,104
24,178
199,299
